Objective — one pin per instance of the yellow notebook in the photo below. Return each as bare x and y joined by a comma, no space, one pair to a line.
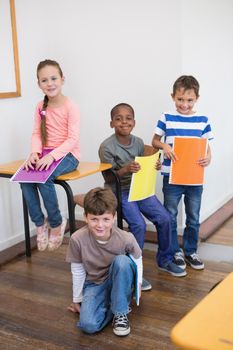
143,183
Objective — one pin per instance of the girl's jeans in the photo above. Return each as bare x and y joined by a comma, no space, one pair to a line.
154,211
192,201
111,297
48,194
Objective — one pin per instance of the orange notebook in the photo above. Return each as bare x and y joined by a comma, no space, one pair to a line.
186,170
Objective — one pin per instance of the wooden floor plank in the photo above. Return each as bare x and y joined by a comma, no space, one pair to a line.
224,235
35,293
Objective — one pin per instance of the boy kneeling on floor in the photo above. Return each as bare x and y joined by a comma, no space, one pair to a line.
104,260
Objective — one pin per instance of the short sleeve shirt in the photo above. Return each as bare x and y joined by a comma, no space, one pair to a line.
172,124
111,151
97,257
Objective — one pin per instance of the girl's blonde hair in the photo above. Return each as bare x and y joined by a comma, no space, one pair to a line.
41,65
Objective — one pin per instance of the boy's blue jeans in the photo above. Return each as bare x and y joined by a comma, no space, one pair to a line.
112,297
48,193
192,201
154,211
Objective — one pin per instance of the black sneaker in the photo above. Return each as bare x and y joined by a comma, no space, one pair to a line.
178,259
146,285
121,325
194,261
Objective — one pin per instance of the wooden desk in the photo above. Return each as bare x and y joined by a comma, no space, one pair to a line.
84,169
209,325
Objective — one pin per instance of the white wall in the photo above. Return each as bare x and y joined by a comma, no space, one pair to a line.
207,51
115,51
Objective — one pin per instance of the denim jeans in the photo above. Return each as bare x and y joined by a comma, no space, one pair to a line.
154,211
192,202
48,194
111,297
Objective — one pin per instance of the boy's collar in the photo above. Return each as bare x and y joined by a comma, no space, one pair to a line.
127,139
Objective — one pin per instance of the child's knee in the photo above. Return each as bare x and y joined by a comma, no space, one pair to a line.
121,263
89,327
121,260
166,218
138,226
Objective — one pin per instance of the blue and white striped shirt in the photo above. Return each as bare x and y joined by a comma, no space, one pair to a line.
174,124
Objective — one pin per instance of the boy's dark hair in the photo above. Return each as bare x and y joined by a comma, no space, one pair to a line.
99,201
41,65
186,82
115,108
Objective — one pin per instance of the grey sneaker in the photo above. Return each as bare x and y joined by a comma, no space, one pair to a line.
121,325
178,259
194,261
173,269
146,285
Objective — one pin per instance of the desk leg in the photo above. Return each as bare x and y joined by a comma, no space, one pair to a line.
70,201
119,215
26,229
118,195
117,181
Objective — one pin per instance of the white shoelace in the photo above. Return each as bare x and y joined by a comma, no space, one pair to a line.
121,320
195,256
179,254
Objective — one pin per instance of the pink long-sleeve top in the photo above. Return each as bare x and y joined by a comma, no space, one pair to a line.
62,125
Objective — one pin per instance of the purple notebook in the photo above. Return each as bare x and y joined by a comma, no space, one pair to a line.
36,176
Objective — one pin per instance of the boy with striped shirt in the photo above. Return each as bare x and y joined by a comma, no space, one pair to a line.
183,122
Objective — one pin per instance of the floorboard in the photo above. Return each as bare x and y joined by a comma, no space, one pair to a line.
35,293
224,235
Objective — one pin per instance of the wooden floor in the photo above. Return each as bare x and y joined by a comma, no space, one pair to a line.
224,235
34,295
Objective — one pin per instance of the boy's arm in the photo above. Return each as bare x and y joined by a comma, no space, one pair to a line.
132,167
78,278
167,150
107,157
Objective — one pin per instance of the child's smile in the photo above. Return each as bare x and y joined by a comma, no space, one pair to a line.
123,121
50,81
185,101
100,225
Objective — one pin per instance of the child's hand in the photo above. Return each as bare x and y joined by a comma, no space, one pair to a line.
31,161
44,162
168,152
204,161
74,307
133,167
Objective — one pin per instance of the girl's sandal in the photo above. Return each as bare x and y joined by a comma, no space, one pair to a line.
42,237
55,240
